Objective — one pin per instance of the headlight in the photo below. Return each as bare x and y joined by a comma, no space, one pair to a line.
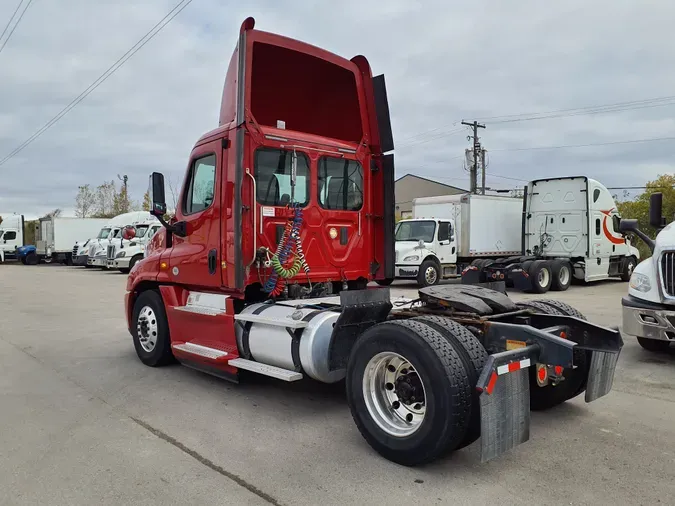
121,254
412,258
640,282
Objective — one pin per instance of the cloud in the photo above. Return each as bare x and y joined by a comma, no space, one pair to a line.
444,62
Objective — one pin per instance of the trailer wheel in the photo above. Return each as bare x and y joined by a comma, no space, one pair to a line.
562,275
654,345
542,398
429,273
150,330
540,276
627,266
408,392
473,356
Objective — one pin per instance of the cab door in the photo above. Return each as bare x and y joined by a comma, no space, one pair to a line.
447,251
195,259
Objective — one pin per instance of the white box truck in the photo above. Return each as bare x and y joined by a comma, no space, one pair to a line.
55,236
569,231
448,232
11,234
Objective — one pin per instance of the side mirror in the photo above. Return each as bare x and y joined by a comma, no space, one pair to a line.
157,197
128,233
656,219
632,226
420,244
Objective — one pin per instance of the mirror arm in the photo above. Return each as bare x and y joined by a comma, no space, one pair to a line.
179,228
645,238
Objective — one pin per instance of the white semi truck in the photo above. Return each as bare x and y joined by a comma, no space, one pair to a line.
11,234
649,307
566,228
97,249
123,254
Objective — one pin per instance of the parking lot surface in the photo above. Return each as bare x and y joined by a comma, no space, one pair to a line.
82,421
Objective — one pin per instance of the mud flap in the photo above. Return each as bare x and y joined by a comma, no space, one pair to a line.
504,387
600,374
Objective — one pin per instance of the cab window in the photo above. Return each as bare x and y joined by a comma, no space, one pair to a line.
340,183
10,235
444,231
201,185
273,170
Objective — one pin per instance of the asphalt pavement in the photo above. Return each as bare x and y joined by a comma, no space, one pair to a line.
82,421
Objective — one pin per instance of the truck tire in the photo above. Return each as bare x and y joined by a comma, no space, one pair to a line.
473,356
542,398
654,345
134,260
540,276
562,275
627,266
391,363
150,330
385,282
32,259
429,273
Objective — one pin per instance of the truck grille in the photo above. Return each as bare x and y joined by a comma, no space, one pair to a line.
74,251
668,272
111,252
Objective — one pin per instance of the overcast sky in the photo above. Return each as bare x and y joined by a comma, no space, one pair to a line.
444,62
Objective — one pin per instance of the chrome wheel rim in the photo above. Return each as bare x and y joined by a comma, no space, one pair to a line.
394,394
430,275
631,266
147,328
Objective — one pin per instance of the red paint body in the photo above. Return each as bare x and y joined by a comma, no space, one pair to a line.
327,104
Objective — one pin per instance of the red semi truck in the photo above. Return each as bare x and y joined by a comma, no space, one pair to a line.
286,214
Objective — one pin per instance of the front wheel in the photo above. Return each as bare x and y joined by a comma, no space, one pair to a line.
385,282
408,392
429,274
627,268
32,259
654,345
150,330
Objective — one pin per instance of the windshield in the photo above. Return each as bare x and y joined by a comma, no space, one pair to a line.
416,231
140,231
103,234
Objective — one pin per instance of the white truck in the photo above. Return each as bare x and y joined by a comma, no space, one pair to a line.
55,236
649,307
567,228
97,252
448,232
11,234
123,254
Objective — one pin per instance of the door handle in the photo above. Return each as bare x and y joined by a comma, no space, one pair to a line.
212,261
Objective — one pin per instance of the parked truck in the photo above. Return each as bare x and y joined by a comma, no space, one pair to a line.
123,254
54,239
649,307
11,235
97,253
449,232
286,213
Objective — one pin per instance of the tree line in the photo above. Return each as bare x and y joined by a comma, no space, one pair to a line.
107,200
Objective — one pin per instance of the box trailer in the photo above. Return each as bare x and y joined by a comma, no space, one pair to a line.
55,237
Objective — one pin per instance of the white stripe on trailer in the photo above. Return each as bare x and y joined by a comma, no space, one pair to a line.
513,366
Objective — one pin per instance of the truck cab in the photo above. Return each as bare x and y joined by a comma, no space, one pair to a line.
11,235
425,250
97,252
123,254
649,307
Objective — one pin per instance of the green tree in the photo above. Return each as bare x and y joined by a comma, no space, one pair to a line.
85,201
638,208
146,201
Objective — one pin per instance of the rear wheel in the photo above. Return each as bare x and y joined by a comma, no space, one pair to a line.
540,276
654,345
562,275
548,396
408,392
429,273
150,330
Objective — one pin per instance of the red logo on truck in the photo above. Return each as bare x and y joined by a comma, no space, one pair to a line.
608,234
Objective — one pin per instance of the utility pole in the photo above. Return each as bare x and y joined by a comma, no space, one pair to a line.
476,153
124,180
482,167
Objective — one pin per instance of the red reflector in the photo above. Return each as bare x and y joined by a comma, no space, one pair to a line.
563,335
491,383
514,366
558,370
542,374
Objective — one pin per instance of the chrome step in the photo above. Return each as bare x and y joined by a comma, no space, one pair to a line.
209,311
266,370
266,320
202,351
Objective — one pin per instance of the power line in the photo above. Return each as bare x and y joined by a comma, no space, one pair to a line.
103,77
566,146
9,36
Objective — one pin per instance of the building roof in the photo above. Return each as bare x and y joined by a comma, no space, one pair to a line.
431,181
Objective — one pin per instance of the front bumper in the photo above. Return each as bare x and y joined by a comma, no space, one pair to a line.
121,263
644,319
100,261
406,271
80,260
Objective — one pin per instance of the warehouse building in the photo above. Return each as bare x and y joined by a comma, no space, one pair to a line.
410,187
